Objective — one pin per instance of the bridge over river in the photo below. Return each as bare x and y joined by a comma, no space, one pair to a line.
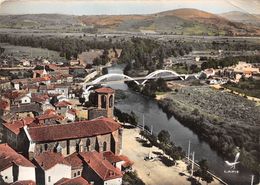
116,78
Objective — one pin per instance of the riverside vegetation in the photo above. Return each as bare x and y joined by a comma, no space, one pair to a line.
224,120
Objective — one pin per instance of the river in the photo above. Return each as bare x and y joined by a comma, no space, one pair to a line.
155,117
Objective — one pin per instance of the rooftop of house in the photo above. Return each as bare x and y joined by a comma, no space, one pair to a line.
63,103
15,95
25,182
112,158
104,90
74,181
15,126
40,98
72,111
74,130
49,115
30,107
104,169
74,161
31,80
8,156
47,160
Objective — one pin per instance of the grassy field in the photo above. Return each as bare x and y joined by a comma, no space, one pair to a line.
247,87
223,119
29,52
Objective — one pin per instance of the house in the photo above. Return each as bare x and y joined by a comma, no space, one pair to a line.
25,63
48,118
13,132
197,58
40,73
243,67
71,114
119,161
50,168
76,164
14,167
208,73
5,84
102,134
74,62
74,181
18,97
98,170
62,106
62,89
25,182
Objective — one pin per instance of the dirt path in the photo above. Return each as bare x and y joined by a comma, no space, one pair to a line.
152,172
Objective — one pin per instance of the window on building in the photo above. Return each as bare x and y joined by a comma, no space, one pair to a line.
75,174
68,147
49,179
78,172
111,101
104,146
6,177
87,144
45,146
103,101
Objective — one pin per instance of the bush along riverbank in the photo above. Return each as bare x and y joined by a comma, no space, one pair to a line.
223,134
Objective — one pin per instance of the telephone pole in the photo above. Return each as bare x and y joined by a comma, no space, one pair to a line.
192,164
189,152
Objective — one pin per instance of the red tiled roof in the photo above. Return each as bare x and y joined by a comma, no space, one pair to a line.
8,156
26,182
15,126
47,160
14,94
102,167
38,71
62,104
111,157
128,162
39,97
74,161
72,111
49,116
80,129
105,90
49,111
75,181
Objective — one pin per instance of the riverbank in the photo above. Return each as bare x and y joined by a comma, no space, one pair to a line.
153,172
224,120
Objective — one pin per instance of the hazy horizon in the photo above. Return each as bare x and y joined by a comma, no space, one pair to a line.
122,7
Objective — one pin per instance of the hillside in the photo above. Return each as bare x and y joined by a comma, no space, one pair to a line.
242,17
180,21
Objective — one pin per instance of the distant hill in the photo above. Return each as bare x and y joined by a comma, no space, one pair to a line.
180,21
242,17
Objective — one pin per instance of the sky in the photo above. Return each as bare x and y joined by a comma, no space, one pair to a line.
115,7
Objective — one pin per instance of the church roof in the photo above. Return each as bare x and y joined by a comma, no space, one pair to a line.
81,129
